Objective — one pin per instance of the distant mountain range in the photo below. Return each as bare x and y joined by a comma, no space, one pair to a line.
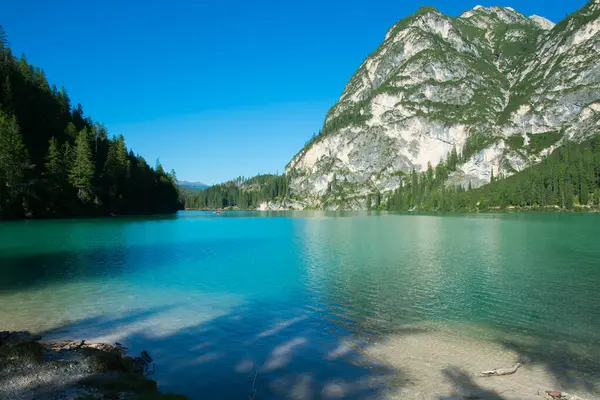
192,186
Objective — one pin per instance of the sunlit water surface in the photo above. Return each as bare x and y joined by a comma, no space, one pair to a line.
294,305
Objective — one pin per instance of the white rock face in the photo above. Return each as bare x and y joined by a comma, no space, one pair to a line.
280,206
470,83
542,22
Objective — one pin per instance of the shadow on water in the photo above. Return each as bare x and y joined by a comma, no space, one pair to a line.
244,353
102,325
572,368
464,387
250,352
30,270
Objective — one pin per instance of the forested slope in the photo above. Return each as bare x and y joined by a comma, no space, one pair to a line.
57,162
567,178
244,193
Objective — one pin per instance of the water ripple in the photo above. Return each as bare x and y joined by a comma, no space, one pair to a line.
296,298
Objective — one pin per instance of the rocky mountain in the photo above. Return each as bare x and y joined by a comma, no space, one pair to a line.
500,88
192,186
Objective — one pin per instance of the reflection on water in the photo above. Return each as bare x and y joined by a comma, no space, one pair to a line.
306,305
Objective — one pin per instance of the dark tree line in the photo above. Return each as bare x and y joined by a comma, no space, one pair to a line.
244,193
568,177
56,162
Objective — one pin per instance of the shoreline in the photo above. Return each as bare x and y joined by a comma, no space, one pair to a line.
507,210
73,370
424,361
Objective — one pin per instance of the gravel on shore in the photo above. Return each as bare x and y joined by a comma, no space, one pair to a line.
30,369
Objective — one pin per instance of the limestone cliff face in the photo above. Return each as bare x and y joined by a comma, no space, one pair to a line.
502,88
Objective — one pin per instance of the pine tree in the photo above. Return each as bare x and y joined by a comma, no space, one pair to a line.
569,197
78,118
116,173
67,155
3,38
54,168
453,161
440,171
71,131
55,177
429,172
159,168
584,194
14,163
64,101
82,168
117,164
7,96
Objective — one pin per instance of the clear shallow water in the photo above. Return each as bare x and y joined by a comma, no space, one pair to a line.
281,303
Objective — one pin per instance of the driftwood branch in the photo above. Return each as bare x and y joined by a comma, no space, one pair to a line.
502,371
555,395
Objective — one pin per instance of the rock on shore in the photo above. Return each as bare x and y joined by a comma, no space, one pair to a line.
30,369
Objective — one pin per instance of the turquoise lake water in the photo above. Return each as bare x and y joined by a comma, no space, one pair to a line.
241,302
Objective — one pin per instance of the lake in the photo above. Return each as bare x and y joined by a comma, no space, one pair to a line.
320,304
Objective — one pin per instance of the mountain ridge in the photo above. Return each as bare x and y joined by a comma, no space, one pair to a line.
500,88
198,185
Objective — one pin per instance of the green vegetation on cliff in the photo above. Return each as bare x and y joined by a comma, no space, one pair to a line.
56,162
568,177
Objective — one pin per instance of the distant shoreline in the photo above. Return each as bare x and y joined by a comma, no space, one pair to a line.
507,210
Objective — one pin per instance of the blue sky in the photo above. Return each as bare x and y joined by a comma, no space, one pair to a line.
214,89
